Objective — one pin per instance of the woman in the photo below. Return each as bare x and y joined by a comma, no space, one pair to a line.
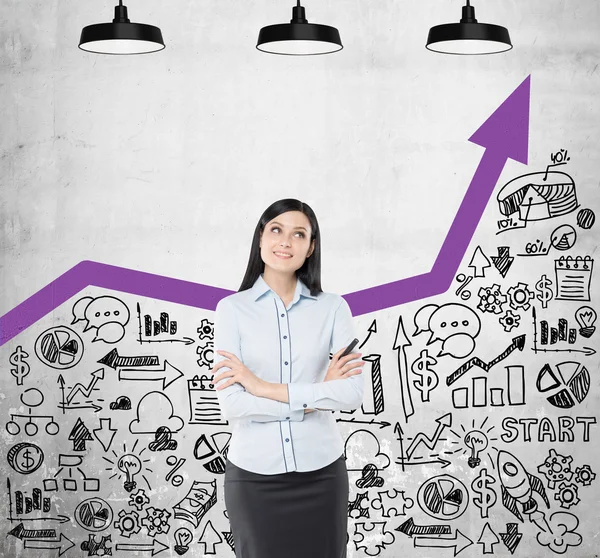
286,483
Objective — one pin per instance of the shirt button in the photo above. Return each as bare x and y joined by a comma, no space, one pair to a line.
287,439
287,418
285,336
304,405
282,315
286,362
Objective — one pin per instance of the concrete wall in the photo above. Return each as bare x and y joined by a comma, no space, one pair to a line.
162,164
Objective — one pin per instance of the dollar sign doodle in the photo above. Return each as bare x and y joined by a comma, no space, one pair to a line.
428,378
22,368
486,496
545,292
28,461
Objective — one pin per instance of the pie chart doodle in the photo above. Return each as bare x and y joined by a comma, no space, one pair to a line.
563,237
59,347
94,514
443,497
571,383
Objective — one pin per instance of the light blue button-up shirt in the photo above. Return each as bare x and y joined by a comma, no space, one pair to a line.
286,346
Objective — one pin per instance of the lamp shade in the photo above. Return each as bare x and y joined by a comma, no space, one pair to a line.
468,36
121,36
299,37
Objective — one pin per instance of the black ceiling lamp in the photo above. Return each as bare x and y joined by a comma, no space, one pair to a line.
298,37
468,36
121,36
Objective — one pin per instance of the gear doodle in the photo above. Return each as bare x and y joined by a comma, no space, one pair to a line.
491,299
519,296
509,321
139,499
206,330
584,475
395,500
156,521
556,468
94,548
356,508
128,523
567,495
206,355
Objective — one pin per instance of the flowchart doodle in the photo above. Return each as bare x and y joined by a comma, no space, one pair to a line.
32,397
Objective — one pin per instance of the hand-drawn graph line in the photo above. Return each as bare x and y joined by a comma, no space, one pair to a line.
504,135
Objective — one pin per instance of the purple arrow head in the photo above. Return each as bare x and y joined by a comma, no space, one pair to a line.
507,129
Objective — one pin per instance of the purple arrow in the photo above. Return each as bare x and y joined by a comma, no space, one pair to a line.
504,135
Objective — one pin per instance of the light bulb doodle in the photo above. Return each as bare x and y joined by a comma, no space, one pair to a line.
130,465
183,538
586,317
476,441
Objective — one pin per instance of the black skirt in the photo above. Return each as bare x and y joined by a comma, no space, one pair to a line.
291,515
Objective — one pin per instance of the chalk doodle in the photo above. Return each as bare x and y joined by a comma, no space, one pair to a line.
94,514
209,538
546,428
21,366
485,496
462,290
183,537
201,497
545,293
25,458
475,442
162,330
517,343
573,277
586,318
455,325
59,347
175,463
570,383
488,539
31,397
203,402
94,547
586,218
503,261
128,465
401,341
560,334
443,497
479,263
428,379
511,538
212,454
79,435
373,537
108,315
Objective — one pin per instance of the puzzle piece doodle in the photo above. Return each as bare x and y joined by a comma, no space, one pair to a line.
372,537
392,500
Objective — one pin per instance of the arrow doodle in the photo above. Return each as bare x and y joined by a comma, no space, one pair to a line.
517,343
410,528
86,390
459,542
504,135
63,544
443,422
401,342
155,547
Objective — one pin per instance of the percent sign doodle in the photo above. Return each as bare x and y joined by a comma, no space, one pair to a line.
176,464
462,278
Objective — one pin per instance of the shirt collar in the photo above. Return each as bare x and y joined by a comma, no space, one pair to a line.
260,287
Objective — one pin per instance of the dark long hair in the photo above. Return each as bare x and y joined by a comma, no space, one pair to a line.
310,272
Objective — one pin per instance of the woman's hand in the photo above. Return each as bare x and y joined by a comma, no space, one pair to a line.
340,368
238,373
